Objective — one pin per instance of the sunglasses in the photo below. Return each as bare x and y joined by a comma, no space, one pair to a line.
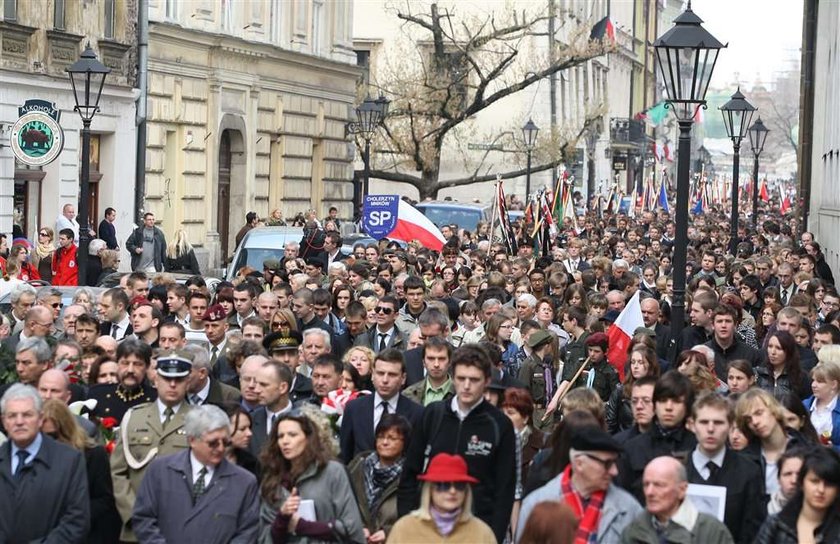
443,487
43,234
56,305
606,463
383,310
214,444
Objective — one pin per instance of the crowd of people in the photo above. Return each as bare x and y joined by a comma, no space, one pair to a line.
400,394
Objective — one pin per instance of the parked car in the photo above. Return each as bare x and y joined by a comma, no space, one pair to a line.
260,244
465,215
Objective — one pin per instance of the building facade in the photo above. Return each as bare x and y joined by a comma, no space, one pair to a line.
247,106
39,40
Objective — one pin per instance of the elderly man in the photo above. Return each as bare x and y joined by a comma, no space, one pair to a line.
22,298
32,357
316,342
37,323
181,495
650,317
587,480
43,483
55,384
147,431
203,388
668,516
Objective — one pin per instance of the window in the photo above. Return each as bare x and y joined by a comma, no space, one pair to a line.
10,10
363,61
318,25
109,18
276,21
227,15
58,15
171,9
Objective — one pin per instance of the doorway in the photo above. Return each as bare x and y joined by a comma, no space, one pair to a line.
223,205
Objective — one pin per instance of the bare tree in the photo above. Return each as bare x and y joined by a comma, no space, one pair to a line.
785,119
450,69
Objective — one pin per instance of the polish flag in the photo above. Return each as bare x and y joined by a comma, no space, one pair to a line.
621,332
413,225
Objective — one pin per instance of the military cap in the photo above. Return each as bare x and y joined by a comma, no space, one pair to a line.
538,338
173,365
278,341
271,264
215,312
593,438
598,339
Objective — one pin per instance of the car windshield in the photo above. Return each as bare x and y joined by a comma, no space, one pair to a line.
465,218
256,256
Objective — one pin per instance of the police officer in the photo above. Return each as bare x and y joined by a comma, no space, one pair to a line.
537,373
150,430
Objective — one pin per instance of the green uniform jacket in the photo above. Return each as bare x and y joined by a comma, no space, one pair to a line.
145,432
706,530
606,378
532,374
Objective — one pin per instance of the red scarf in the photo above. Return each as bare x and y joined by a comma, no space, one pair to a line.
588,518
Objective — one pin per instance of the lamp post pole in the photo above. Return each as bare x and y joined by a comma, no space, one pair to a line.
366,159
84,204
755,192
681,224
758,135
528,177
733,227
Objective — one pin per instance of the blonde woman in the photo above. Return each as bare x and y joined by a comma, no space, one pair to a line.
180,256
41,256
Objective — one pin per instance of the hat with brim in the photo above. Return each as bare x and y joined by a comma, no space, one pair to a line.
173,366
593,438
539,338
278,341
447,468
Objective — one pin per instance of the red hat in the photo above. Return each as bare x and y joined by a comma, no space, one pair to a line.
215,312
598,339
447,468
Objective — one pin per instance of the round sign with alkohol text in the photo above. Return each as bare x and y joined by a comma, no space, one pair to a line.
37,139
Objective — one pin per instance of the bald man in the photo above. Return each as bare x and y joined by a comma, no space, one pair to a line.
650,316
55,384
109,344
38,321
677,520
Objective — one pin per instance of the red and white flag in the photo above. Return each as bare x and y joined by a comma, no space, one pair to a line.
621,332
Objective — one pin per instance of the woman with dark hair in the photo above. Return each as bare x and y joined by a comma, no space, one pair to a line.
519,407
381,287
643,362
499,330
770,295
375,476
767,318
297,467
224,297
781,371
575,295
59,423
157,296
736,274
692,364
796,417
790,463
740,376
240,437
816,289
342,295
812,514
450,277
550,522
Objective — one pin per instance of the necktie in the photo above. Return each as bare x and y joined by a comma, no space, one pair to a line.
114,329
713,469
784,297
21,455
382,343
195,399
384,407
214,354
167,416
198,486
271,423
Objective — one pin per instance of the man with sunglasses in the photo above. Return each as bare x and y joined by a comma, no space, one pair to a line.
602,509
385,334
153,429
169,511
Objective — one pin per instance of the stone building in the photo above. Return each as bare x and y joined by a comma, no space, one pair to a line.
38,40
247,105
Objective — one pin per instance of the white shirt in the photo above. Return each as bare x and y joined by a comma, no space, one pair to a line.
122,327
62,222
821,417
377,407
271,416
388,334
457,408
196,467
200,397
700,460
162,408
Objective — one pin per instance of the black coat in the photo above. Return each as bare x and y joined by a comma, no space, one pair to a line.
639,451
781,528
108,233
357,432
619,413
414,370
49,500
745,503
105,522
94,270
185,264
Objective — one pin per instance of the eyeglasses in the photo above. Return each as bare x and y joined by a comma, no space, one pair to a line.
644,401
443,487
383,310
606,463
215,443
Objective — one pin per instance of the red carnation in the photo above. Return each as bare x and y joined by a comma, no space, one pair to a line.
109,446
109,422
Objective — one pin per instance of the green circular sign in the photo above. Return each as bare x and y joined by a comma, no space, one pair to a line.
36,139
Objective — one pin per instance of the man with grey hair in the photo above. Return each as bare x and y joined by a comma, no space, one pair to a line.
489,308
202,388
669,516
32,357
22,298
316,342
181,495
43,483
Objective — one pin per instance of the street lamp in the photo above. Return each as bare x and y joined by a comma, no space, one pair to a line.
737,114
529,136
686,55
758,135
370,115
87,77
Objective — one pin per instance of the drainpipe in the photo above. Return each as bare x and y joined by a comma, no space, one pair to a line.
140,118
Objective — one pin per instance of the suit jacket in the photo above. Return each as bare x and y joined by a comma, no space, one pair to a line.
145,433
221,393
357,432
48,501
370,339
414,370
227,511
259,431
108,233
663,340
105,329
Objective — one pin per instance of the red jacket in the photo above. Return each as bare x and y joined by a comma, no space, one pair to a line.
29,272
64,266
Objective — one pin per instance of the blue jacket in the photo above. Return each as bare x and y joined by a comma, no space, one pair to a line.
835,421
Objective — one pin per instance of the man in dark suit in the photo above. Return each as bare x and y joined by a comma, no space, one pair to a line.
332,248
273,383
362,415
43,483
116,321
181,495
650,316
37,323
202,388
107,232
385,334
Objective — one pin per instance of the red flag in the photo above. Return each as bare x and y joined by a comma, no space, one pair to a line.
621,332
763,194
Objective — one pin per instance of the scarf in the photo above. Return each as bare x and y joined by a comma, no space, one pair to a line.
378,477
444,521
589,515
42,251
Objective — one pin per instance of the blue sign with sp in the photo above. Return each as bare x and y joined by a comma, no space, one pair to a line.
379,215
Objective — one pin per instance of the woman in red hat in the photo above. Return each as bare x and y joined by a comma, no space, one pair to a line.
445,512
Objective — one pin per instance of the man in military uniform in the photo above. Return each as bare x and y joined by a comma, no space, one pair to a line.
150,430
599,373
537,374
112,400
